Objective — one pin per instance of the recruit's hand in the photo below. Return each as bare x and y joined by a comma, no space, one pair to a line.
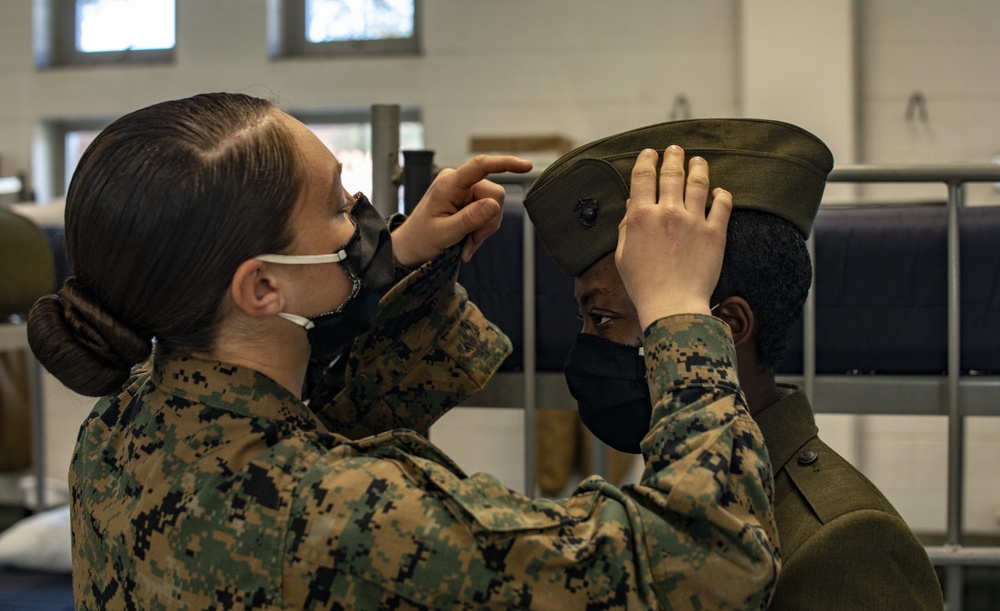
458,203
669,253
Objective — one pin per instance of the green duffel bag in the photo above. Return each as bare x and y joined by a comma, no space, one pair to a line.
26,268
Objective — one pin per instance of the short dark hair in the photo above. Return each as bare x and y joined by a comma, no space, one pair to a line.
766,263
164,206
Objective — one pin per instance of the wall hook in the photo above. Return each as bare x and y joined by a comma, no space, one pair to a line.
681,108
917,104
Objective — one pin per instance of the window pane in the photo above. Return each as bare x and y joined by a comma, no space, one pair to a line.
352,144
121,25
76,142
331,20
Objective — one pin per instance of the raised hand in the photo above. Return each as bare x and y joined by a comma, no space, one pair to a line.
459,203
669,251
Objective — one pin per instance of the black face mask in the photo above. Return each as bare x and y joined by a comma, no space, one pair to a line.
369,264
608,381
367,258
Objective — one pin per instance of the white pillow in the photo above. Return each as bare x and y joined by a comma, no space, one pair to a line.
39,543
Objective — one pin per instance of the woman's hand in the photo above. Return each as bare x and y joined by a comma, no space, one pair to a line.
669,252
459,203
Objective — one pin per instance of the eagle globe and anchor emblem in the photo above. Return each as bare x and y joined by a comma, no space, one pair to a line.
586,210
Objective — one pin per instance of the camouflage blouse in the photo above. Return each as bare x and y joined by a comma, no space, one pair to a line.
208,486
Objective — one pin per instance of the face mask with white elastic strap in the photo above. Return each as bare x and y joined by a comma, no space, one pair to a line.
367,259
336,257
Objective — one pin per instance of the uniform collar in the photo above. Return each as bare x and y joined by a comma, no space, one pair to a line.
786,425
230,388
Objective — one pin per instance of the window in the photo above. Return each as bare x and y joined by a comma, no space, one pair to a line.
344,27
58,147
333,20
350,139
76,142
72,32
347,135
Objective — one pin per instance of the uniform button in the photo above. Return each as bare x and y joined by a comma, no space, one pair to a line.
807,457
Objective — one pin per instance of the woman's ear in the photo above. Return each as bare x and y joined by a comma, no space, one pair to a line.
736,312
255,290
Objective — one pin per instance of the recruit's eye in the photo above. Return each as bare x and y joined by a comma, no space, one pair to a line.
601,319
595,321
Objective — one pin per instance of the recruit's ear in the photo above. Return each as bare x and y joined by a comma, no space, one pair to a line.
736,312
254,289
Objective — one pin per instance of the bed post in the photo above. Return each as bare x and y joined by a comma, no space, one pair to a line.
809,330
385,157
530,360
956,422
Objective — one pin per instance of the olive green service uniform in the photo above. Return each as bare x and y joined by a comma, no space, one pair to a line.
843,546
206,485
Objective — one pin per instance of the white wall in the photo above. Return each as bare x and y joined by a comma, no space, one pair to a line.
584,69
798,64
947,51
578,67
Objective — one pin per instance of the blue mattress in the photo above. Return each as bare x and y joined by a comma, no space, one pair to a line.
881,298
881,291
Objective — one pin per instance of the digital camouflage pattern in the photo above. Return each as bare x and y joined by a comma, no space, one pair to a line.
208,486
429,349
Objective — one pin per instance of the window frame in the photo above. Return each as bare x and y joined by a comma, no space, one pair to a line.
54,181
287,36
408,114
55,41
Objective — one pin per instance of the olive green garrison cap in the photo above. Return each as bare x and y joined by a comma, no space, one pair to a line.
578,201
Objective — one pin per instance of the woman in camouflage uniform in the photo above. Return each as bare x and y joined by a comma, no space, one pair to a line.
240,463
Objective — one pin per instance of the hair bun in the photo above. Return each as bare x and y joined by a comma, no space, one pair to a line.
81,344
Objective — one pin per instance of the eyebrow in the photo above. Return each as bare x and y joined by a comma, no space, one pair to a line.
589,294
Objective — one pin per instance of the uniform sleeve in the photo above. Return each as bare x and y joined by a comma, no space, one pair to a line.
865,559
406,528
705,461
430,348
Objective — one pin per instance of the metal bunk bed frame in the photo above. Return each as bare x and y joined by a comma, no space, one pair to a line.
954,395
959,395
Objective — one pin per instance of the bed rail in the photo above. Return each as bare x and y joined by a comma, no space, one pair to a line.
953,556
954,395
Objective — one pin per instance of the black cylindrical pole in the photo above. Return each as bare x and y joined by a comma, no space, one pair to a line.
417,174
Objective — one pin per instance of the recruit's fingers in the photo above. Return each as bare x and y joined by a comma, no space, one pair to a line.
642,189
672,177
722,207
696,191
